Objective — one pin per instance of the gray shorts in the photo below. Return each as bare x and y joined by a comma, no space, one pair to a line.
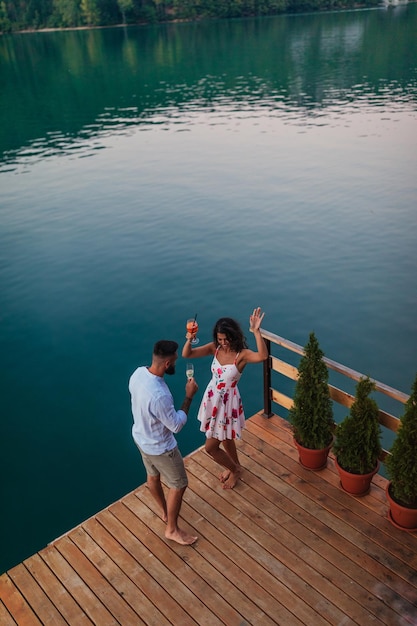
170,465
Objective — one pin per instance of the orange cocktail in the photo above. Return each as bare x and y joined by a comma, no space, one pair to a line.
192,328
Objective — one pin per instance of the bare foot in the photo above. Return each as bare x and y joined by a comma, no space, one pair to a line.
164,517
232,480
180,536
224,476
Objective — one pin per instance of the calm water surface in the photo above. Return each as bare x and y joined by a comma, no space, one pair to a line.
149,173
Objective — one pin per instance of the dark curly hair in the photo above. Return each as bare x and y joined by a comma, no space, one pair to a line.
165,348
234,334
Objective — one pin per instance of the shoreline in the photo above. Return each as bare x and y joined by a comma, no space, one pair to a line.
357,7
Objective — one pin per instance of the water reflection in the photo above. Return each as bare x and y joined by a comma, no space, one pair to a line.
211,166
68,91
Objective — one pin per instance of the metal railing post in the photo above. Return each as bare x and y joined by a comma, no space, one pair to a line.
267,381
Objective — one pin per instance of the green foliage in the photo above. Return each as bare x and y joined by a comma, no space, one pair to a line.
357,446
312,413
65,13
401,465
91,12
24,14
125,7
5,23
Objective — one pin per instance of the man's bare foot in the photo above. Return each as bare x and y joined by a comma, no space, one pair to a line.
164,517
232,480
180,536
224,476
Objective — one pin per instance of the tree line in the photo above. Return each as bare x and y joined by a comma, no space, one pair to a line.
17,15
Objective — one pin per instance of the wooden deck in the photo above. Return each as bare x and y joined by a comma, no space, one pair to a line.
287,546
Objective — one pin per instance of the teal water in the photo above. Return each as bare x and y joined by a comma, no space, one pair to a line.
149,173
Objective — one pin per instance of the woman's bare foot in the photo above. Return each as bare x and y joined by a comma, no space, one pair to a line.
232,480
180,536
224,476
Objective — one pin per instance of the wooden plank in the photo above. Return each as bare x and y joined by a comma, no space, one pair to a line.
166,562
256,605
102,549
172,589
341,506
211,610
16,604
388,420
318,481
354,375
76,586
341,397
52,587
298,510
268,553
284,368
312,548
281,399
221,579
240,556
197,506
101,557
405,544
280,341
35,596
392,569
346,399
120,610
282,438
283,431
130,554
252,564
361,574
5,617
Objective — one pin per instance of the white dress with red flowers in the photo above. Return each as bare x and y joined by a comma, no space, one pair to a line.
221,410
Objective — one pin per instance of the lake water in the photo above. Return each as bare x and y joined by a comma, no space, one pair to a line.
149,173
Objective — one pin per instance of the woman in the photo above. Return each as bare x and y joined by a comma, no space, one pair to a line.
221,411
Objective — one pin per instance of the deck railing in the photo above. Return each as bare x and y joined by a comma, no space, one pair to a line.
272,395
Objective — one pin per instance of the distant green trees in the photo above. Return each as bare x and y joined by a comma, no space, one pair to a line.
65,13
18,15
5,23
125,6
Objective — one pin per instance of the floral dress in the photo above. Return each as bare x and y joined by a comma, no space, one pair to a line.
221,410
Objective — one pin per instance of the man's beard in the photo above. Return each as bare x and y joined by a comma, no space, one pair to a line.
170,370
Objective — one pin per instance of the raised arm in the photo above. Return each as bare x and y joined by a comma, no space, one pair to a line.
188,352
250,356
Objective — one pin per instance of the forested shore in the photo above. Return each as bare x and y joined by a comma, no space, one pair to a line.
19,15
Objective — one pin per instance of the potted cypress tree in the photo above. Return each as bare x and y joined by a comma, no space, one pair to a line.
312,415
357,445
401,468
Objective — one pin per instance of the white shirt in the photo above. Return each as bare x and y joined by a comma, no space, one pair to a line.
154,416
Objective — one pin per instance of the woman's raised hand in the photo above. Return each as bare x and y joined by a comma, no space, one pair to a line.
256,318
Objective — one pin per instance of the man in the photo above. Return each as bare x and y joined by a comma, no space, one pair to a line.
155,420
